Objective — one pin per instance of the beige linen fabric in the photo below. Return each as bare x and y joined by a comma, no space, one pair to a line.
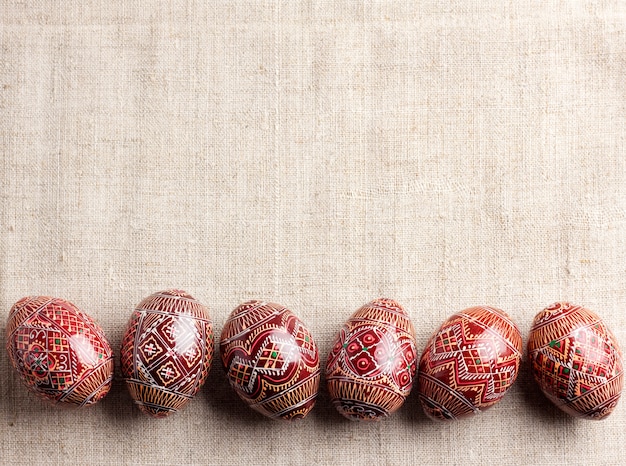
318,154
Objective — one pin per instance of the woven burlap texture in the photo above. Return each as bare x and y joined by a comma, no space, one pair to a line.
318,154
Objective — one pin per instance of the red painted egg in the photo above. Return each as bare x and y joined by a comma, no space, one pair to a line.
370,369
61,354
469,363
167,351
271,360
576,360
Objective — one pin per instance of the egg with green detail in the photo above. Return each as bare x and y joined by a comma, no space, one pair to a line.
469,363
60,352
576,360
271,360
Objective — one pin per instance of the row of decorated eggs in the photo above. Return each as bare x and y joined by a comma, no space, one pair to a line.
272,361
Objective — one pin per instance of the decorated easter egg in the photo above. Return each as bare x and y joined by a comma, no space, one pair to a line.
469,363
576,360
166,351
60,353
271,360
370,369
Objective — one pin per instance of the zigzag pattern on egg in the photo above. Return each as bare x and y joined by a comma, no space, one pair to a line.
576,360
469,363
271,360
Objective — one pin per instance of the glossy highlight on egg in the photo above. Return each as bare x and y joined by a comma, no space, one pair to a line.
60,352
166,351
469,363
576,360
371,367
271,360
